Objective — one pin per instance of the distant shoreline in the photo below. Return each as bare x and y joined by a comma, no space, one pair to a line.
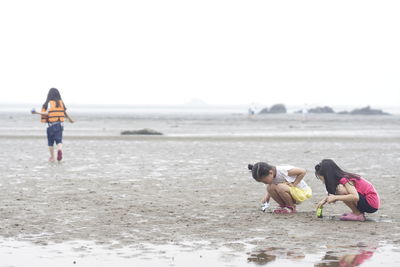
184,108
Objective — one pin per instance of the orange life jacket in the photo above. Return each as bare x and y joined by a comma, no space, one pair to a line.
55,113
43,118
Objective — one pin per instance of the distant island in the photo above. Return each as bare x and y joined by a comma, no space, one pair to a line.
277,108
280,108
365,111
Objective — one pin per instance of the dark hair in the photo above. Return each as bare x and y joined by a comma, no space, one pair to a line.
332,174
53,94
259,170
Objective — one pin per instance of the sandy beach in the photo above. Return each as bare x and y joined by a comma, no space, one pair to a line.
190,188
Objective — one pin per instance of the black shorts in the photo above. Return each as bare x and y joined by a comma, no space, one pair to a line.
54,134
363,205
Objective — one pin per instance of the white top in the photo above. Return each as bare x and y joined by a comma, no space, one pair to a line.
283,177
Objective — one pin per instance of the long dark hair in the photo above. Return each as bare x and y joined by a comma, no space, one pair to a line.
259,170
332,174
53,94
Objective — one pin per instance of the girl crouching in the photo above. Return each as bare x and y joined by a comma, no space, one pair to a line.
357,193
284,184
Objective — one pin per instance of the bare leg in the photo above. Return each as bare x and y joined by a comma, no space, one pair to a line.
272,190
59,151
341,190
51,150
284,193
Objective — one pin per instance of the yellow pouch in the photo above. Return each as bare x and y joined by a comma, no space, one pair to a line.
300,194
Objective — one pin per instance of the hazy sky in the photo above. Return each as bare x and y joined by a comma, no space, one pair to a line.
223,52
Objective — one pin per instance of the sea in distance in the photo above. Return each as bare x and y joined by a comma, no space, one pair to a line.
202,120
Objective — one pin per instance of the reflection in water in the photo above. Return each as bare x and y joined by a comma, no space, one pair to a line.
261,258
332,260
264,256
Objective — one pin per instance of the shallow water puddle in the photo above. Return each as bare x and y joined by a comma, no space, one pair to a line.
16,253
386,255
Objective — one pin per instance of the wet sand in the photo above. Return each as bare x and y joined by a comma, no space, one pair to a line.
131,191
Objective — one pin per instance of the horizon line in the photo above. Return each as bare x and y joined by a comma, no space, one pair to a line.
308,105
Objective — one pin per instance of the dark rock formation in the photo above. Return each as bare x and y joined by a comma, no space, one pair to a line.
263,111
278,108
325,109
141,132
367,111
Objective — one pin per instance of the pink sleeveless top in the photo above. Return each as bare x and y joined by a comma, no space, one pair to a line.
366,189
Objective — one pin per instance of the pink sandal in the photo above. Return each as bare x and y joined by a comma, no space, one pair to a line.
292,209
285,210
280,210
353,217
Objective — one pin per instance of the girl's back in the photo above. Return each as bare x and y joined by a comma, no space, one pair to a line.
365,188
282,176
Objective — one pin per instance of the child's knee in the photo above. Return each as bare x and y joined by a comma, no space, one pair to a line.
282,188
341,190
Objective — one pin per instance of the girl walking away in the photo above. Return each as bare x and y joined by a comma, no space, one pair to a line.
357,193
54,113
284,184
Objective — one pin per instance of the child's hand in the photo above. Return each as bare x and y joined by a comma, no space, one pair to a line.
331,199
265,206
264,199
322,203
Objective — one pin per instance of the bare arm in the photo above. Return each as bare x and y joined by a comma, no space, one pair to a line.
352,196
299,173
266,198
68,117
40,113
